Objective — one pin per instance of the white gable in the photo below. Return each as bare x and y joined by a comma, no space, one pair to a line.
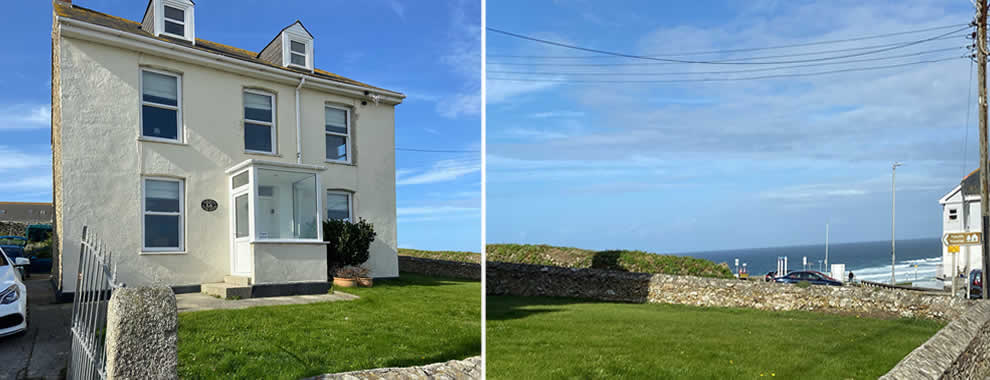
297,47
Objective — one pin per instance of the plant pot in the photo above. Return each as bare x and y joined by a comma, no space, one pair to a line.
365,281
345,282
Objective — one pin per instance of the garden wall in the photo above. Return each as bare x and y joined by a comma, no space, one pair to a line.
13,228
537,280
960,350
440,268
469,368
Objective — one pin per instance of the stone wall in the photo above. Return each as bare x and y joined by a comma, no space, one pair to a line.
469,368
440,268
961,350
142,334
13,228
536,280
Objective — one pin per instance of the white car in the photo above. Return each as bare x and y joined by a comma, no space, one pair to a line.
13,296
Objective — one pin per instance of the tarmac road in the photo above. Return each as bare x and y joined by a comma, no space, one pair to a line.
43,351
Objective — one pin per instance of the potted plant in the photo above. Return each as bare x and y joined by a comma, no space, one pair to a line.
347,277
363,279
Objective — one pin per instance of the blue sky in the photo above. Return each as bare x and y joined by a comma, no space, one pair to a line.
680,167
428,50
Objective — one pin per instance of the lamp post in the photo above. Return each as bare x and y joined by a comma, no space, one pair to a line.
893,210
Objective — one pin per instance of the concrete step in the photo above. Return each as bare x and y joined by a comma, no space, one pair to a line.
226,291
237,280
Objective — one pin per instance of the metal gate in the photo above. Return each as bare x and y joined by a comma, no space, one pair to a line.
96,281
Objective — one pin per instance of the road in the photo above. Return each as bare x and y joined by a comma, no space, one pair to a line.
43,351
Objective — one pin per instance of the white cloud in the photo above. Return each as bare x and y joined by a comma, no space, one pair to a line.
28,183
398,8
25,117
12,159
441,171
433,210
557,114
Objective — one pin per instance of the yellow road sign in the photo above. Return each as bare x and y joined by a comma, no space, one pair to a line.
963,238
953,249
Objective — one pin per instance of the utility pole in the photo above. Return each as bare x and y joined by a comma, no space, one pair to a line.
893,211
981,60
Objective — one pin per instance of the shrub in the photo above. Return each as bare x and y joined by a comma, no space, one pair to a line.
803,284
348,243
351,271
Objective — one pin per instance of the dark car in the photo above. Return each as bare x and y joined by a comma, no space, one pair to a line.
813,277
976,284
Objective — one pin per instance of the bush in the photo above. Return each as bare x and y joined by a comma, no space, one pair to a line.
348,243
803,284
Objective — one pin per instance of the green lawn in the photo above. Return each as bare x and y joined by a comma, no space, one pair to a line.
413,320
540,337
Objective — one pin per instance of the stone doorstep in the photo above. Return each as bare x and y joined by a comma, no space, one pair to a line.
226,291
237,280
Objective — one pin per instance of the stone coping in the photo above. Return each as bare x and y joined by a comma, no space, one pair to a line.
469,368
952,353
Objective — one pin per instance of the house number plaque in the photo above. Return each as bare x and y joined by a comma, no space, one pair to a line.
209,205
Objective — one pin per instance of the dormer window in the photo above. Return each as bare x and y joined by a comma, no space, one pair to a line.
175,21
172,18
297,53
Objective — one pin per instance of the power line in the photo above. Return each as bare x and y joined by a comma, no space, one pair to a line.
773,76
719,61
722,72
618,54
435,150
746,49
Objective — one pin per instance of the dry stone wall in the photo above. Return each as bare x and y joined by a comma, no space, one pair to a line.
960,350
469,368
13,228
536,280
440,268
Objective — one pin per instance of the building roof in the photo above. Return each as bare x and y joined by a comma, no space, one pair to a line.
971,183
76,12
49,204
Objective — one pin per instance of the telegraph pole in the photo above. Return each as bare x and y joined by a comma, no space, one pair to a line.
981,59
893,211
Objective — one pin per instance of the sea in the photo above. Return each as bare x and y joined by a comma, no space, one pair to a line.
916,259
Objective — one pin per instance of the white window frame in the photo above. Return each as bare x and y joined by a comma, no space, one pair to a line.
178,108
350,203
305,53
271,125
181,214
188,22
288,36
350,140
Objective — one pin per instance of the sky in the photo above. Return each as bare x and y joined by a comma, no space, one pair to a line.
693,166
429,51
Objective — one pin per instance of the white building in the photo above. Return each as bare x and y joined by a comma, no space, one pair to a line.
961,213
196,161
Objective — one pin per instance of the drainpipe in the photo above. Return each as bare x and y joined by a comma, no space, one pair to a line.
299,123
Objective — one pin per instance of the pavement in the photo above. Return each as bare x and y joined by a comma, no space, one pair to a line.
43,351
199,301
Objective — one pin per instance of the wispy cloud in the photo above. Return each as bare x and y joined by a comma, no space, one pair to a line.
556,114
14,159
28,184
441,171
398,8
25,117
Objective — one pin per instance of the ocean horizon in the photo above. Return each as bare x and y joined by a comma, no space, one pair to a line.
916,258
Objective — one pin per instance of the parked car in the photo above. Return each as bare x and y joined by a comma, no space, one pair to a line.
15,252
976,284
13,297
813,277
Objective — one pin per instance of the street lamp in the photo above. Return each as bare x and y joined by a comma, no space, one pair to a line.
893,210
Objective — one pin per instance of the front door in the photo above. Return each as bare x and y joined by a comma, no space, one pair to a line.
240,262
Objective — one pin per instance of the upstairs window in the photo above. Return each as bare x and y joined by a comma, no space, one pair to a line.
175,21
338,135
297,53
952,214
259,122
160,106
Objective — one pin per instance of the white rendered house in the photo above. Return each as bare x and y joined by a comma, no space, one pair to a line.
196,161
961,213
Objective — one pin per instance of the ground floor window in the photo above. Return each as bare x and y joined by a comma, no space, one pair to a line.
162,209
339,205
286,205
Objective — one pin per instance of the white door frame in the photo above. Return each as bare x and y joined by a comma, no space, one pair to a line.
232,238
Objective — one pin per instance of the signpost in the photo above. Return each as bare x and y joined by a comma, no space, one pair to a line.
962,238
953,240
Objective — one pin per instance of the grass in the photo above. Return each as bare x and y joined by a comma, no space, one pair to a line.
622,260
467,257
541,337
412,320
